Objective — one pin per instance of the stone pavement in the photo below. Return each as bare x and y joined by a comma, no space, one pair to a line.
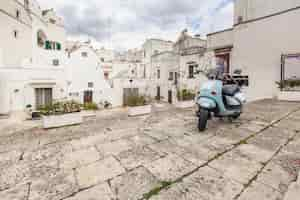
158,157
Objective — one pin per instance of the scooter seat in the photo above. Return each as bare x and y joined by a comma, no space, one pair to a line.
230,90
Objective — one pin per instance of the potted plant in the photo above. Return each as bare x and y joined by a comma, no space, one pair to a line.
60,114
185,98
289,90
138,105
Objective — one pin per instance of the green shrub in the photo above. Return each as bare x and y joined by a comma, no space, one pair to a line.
290,83
185,95
90,106
62,107
136,101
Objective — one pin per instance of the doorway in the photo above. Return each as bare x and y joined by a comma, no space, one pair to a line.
43,97
88,96
129,92
170,97
224,56
158,93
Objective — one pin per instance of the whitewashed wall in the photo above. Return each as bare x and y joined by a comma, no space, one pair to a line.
252,9
81,71
221,39
258,47
14,50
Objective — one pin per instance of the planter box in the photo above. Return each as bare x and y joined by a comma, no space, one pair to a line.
288,96
57,121
185,104
139,110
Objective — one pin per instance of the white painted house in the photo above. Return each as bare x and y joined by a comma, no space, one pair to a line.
264,39
190,51
86,81
106,57
32,57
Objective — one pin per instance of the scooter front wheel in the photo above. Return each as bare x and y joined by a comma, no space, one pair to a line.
202,121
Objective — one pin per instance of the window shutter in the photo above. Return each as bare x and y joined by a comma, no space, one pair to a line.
48,45
58,46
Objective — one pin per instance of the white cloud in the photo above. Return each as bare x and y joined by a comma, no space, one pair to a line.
123,24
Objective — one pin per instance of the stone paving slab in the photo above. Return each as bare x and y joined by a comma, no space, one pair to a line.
293,192
198,154
57,187
205,184
167,147
98,172
157,134
141,140
11,175
71,162
260,191
98,192
236,167
253,152
114,148
276,177
79,158
170,167
19,192
271,139
137,157
133,184
89,141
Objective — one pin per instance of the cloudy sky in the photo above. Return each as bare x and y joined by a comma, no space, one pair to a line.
124,24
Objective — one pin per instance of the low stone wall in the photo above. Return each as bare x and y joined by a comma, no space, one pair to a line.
139,110
57,121
289,96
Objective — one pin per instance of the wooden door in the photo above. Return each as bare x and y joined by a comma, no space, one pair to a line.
170,97
88,96
158,93
127,93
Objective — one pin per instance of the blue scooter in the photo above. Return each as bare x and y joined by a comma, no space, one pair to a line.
220,100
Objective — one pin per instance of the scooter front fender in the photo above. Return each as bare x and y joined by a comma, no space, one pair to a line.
206,103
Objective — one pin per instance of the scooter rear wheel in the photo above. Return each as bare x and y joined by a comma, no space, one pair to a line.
202,121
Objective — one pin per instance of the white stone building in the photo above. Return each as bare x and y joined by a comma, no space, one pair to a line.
32,56
86,81
106,57
150,48
263,38
165,67
190,50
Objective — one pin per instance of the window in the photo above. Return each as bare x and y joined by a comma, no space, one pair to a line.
52,21
176,78
26,4
41,38
191,71
17,14
106,75
102,59
43,96
84,54
48,45
55,62
171,76
90,84
158,74
15,33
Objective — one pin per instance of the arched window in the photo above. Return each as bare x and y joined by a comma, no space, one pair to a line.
41,38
